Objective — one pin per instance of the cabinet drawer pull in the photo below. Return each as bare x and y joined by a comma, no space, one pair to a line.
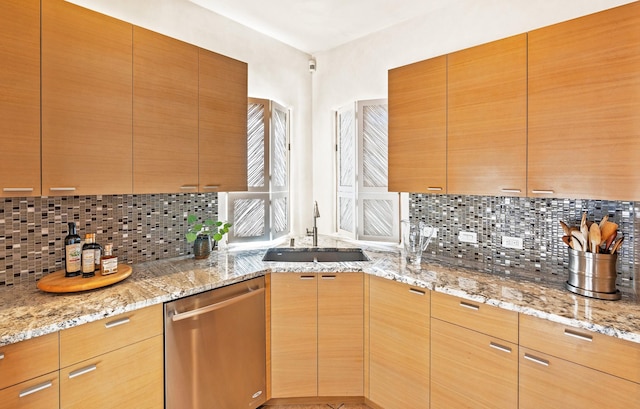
574,334
434,189
542,192
35,388
469,306
328,277
500,347
188,187
307,277
82,371
418,292
62,189
537,360
17,189
510,190
211,187
117,322
1,355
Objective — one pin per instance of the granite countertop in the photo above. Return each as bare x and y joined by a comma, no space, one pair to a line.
26,312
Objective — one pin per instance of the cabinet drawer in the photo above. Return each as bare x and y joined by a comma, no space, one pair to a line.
602,352
96,338
28,359
38,393
477,316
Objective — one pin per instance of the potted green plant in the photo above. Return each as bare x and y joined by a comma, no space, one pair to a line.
201,234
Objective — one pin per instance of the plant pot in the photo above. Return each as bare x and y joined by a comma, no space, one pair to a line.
202,247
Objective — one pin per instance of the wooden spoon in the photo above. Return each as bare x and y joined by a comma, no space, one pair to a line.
594,238
607,244
567,241
565,228
603,221
617,245
579,243
584,229
607,230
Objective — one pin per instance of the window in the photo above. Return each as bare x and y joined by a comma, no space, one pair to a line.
262,213
366,210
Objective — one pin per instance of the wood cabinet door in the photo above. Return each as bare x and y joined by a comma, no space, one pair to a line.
399,331
223,123
38,393
86,101
471,370
341,334
584,93
418,127
165,114
28,359
487,119
129,377
294,335
20,98
550,382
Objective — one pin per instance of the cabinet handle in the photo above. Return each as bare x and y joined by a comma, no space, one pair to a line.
574,334
1,355
62,189
211,187
307,277
82,371
328,277
117,322
537,360
434,189
510,190
35,388
469,306
500,347
17,189
542,192
188,187
417,292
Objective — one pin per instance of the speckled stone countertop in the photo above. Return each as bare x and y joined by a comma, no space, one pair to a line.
26,312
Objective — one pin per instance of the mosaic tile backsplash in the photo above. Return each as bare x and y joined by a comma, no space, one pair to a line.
534,220
141,228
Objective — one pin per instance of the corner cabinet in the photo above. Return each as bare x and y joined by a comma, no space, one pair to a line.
584,93
20,98
223,104
165,114
86,102
487,119
317,333
418,127
398,339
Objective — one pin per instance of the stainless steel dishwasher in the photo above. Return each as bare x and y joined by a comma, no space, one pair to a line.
215,350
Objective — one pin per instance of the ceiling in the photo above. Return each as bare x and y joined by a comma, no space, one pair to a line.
319,25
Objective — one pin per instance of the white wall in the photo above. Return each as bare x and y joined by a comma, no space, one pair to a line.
358,70
276,71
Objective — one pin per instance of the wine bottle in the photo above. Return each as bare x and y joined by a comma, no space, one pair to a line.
97,253
73,252
88,256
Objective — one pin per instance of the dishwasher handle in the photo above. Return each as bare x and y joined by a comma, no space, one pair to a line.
216,306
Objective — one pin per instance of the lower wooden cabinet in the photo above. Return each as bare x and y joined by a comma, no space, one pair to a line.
550,382
398,340
38,393
471,370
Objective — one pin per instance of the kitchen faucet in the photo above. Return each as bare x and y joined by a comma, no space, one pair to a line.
314,230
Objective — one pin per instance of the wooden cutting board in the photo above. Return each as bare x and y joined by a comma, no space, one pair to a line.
57,283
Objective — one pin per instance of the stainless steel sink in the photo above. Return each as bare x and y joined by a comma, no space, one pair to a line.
314,254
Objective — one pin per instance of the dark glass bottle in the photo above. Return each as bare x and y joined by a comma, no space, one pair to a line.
88,256
73,252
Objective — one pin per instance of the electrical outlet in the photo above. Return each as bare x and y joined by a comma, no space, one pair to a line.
427,231
512,242
468,237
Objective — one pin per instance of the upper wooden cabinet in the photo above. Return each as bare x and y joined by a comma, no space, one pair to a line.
20,98
223,103
165,114
487,119
584,94
418,127
86,101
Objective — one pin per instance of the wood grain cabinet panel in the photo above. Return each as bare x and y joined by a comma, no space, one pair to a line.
86,101
28,359
584,93
418,127
487,119
165,114
20,98
399,332
37,393
223,103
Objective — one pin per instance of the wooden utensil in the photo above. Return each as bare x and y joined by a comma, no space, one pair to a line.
584,229
565,228
603,221
567,241
617,244
580,242
608,231
594,238
607,244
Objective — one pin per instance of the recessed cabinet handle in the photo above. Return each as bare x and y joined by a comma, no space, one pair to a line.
500,347
577,335
188,187
307,277
417,292
434,189
17,189
328,277
82,371
117,322
542,192
62,189
469,306
35,388
510,190
211,187
537,360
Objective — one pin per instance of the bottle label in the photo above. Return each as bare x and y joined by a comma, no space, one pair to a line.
73,255
87,261
97,253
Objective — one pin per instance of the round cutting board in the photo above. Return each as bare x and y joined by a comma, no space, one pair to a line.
58,283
